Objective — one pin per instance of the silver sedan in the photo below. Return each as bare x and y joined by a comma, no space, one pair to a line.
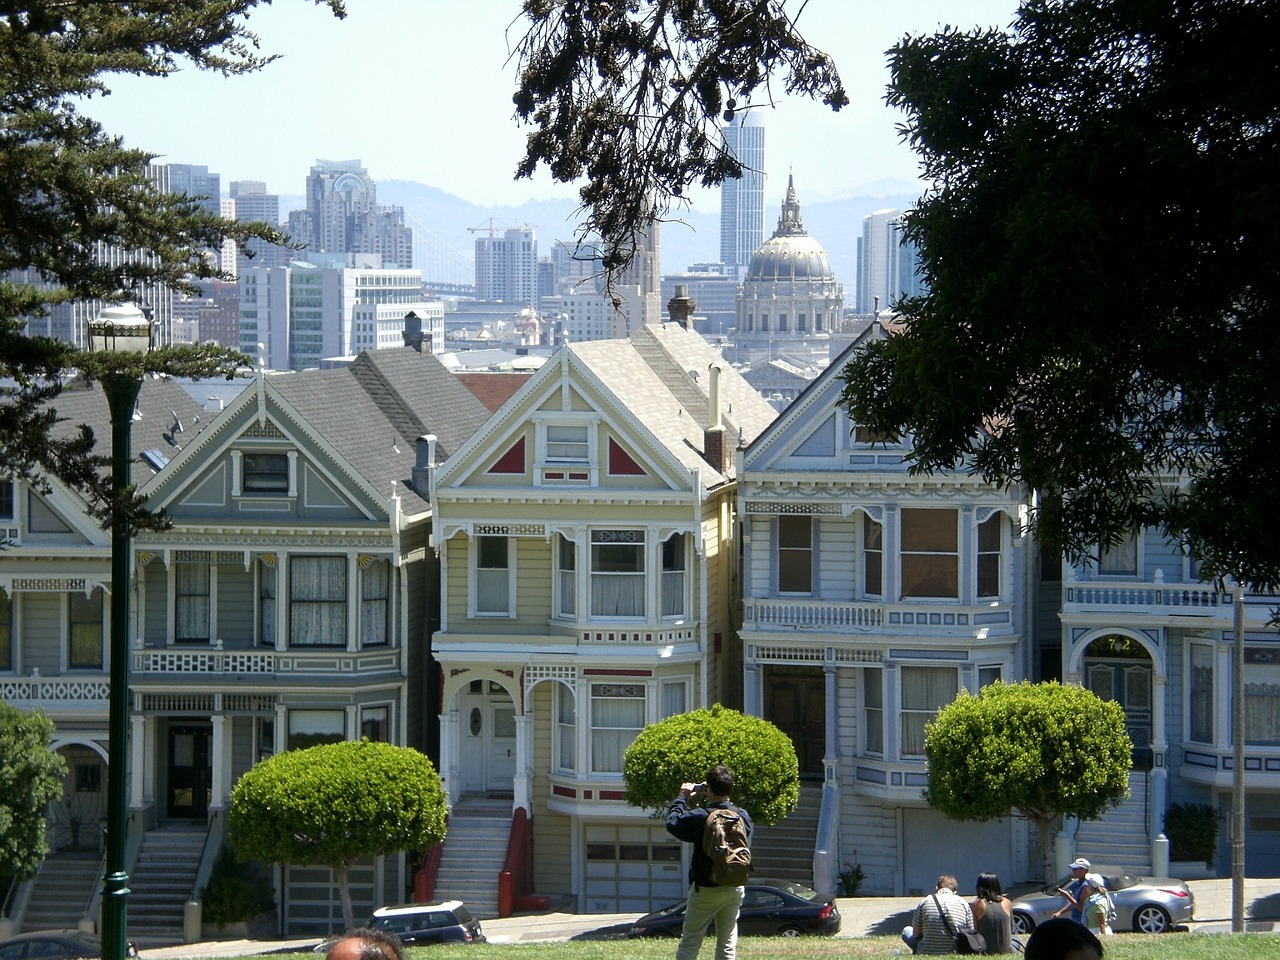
1143,904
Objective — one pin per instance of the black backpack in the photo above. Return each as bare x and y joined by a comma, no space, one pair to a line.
725,841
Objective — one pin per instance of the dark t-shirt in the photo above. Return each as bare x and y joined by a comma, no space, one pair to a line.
688,824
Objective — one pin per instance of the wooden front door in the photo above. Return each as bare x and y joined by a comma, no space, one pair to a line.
795,702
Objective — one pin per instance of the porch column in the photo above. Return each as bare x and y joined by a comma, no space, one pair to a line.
831,709
522,783
449,770
752,690
220,761
142,774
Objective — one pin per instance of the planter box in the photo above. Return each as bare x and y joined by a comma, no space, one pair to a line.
225,931
1191,870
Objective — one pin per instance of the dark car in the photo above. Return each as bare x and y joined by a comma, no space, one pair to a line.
55,945
419,923
1143,904
769,908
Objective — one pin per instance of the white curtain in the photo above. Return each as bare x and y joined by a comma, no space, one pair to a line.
1262,713
375,602
191,601
617,595
318,601
924,691
267,603
616,720
566,729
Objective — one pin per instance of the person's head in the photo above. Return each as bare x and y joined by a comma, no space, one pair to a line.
1062,939
1079,867
366,943
948,882
720,781
1096,881
988,887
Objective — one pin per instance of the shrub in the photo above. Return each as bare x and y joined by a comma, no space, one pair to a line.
1192,829
236,891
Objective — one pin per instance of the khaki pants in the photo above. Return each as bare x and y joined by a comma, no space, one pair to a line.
709,905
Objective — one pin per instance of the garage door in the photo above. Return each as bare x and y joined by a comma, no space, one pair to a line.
631,869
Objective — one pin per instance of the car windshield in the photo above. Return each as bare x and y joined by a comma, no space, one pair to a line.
1114,882
798,890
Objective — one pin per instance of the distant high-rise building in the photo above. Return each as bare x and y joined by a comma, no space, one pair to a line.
742,199
343,216
197,183
507,266
888,265
253,203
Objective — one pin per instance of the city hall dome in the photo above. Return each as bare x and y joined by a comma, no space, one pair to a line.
790,254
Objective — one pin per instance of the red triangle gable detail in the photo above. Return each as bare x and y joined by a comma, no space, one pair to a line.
621,463
512,461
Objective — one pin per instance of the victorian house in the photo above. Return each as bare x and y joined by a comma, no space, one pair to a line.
586,544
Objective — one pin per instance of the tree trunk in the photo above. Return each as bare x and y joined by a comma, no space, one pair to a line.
343,871
1045,827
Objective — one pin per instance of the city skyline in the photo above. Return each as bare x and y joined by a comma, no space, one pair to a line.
353,89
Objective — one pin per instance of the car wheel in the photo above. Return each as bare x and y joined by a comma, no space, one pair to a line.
1022,923
790,930
1150,919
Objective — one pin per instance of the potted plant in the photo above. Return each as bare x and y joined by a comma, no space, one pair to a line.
1192,829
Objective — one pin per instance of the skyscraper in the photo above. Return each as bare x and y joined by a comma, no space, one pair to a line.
343,215
197,183
252,202
507,266
888,266
742,199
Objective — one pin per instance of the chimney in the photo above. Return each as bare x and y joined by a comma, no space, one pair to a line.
681,306
424,466
414,335
713,445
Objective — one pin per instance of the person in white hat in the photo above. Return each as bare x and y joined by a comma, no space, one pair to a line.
1074,890
1096,912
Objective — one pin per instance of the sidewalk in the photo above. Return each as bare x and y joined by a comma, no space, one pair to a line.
861,917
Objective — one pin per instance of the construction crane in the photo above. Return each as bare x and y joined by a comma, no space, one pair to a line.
493,228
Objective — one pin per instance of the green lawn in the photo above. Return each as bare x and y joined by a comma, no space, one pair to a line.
1132,946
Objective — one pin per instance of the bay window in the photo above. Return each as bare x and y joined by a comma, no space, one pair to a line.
566,759
674,581
267,602
617,573
873,710
930,554
375,603
191,602
925,690
1200,693
795,554
989,541
617,717
566,577
872,557
84,630
318,601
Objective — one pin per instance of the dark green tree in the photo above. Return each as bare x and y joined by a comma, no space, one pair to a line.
70,192
1099,240
1032,750
630,96
332,804
682,748
30,778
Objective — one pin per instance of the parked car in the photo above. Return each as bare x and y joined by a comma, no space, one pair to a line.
419,923
55,945
769,908
1143,904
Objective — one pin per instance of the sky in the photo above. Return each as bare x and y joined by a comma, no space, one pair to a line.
421,90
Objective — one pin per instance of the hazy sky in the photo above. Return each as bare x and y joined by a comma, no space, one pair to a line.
421,90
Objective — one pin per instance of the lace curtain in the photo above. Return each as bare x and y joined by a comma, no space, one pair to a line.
318,601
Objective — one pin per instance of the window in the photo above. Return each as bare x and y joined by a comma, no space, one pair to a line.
795,554
673,576
1120,559
868,436
617,717
374,724
674,698
872,557
989,675
989,542
6,632
873,709
1201,693
266,473
267,602
493,577
191,602
88,777
6,499
617,573
1262,695
375,602
85,630
925,690
310,728
566,577
930,554
567,443
318,601
566,730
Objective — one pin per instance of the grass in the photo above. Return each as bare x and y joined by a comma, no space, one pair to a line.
1131,946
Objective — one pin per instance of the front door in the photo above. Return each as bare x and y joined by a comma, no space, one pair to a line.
190,773
1119,669
489,739
795,702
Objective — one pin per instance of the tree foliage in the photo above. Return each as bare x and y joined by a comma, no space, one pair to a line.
1099,240
680,749
30,778
70,193
332,804
631,95
1037,751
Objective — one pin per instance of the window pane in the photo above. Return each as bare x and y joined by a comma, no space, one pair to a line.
568,579
493,580
617,573
309,728
873,713
872,557
375,603
673,576
567,443
1122,558
617,716
930,558
932,531
266,473
1201,693
373,724
795,554
6,632
566,729
925,690
86,630
267,603
191,602
318,601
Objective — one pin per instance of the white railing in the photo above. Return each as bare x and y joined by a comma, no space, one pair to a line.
768,613
647,636
1176,599
37,690
157,664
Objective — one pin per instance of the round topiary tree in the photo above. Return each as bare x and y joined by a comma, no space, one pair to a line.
332,804
679,750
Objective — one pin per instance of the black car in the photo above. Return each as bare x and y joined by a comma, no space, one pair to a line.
769,908
419,923
55,945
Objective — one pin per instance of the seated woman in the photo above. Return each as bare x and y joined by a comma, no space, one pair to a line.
993,914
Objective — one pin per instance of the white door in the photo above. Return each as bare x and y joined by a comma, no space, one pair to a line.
500,747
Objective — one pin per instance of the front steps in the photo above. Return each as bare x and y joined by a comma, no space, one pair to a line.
785,850
161,883
475,847
62,890
1121,838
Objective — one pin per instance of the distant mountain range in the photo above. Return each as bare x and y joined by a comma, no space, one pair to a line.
692,236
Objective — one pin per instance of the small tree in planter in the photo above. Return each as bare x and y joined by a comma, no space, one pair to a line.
1192,829
237,892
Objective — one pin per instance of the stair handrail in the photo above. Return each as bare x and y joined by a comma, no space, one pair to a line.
215,835
514,879
95,892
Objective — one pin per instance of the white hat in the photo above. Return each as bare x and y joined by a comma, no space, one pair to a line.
1080,863
1095,880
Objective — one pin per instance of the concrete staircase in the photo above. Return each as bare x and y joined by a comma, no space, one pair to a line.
474,849
161,883
61,891
1120,838
785,850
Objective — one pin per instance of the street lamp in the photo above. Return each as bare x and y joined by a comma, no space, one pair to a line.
123,330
